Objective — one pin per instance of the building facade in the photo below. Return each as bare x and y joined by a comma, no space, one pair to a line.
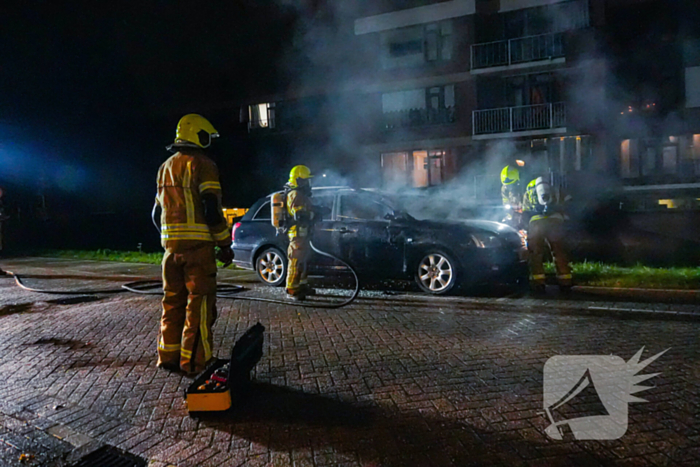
596,94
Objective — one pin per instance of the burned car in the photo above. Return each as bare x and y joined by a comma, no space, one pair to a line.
370,232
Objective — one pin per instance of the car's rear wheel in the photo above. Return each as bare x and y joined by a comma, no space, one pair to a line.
436,273
271,267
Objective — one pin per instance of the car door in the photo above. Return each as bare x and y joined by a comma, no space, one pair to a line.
363,237
323,231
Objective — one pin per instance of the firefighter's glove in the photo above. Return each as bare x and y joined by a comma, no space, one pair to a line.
225,255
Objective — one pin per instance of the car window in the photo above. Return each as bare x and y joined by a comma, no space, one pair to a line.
362,207
263,213
325,201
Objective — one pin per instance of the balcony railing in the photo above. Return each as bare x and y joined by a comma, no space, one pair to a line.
520,50
525,118
418,117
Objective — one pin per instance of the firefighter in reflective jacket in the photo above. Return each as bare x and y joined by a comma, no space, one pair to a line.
543,204
191,225
301,214
512,196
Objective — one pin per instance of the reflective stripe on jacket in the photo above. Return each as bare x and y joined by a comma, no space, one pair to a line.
182,180
511,194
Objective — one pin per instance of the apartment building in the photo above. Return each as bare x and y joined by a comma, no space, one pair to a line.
481,84
452,90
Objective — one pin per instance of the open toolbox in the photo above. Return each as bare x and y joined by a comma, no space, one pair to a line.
217,386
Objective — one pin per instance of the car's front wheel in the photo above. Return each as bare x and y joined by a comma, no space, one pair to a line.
436,273
271,267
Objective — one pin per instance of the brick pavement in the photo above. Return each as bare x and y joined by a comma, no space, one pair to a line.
391,380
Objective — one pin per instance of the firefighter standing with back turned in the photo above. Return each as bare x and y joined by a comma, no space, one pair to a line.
544,205
301,214
192,224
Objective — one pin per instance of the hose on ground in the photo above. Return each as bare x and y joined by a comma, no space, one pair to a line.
225,291
231,291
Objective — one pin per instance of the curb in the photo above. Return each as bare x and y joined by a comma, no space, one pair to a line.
643,293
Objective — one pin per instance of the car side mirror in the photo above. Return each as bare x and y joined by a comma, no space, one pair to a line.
323,211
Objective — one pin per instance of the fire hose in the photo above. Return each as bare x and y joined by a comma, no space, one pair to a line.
226,291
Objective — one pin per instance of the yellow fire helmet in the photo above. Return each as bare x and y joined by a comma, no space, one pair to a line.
299,171
194,131
510,175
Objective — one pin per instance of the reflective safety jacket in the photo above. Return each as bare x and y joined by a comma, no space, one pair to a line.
512,195
301,212
537,211
182,180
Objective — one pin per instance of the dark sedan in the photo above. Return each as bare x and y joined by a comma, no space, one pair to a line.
368,230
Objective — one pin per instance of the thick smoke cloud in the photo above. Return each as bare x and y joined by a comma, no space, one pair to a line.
326,58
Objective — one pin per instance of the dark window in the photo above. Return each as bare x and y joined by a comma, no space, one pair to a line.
325,201
359,207
438,41
263,213
400,49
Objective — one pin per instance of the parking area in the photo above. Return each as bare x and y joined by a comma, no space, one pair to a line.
394,379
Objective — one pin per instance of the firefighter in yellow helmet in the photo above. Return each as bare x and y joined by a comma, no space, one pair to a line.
191,226
512,196
544,205
301,214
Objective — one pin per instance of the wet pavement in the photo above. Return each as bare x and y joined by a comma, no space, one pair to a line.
394,379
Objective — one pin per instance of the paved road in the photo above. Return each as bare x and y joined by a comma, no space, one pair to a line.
394,379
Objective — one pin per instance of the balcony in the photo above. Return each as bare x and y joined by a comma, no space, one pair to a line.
513,119
418,117
520,50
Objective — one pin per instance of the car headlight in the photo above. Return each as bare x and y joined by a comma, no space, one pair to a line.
486,240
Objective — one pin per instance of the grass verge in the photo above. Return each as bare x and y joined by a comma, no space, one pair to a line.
109,255
105,255
639,276
586,273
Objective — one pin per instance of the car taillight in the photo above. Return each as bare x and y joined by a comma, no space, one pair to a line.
233,232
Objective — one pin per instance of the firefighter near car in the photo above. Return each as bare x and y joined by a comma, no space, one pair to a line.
544,205
512,197
191,226
297,218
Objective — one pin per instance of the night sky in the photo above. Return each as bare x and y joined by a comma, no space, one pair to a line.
95,91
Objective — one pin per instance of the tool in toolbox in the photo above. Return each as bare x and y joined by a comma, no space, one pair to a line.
211,390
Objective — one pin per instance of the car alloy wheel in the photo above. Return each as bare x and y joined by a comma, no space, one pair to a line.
271,267
436,273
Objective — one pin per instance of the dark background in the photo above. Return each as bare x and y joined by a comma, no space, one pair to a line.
90,96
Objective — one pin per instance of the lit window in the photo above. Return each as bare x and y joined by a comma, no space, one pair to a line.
261,115
629,164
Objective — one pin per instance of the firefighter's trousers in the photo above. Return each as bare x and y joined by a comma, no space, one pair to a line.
297,253
542,232
189,308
